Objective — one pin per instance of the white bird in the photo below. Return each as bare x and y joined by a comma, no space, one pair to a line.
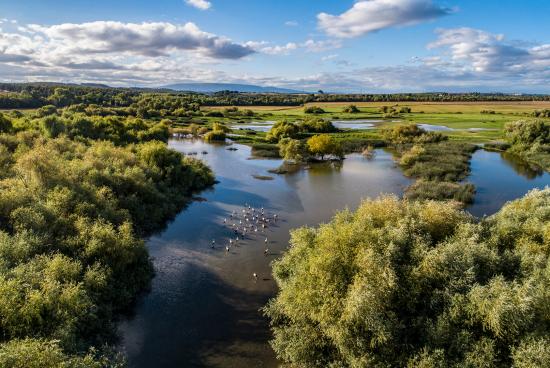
265,241
266,251
230,241
227,248
255,275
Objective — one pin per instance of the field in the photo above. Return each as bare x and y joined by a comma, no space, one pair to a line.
475,122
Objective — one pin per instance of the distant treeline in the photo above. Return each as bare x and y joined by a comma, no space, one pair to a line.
33,95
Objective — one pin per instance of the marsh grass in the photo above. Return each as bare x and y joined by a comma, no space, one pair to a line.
266,150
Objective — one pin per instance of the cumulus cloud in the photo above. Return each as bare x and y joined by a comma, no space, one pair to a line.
368,16
485,52
146,39
199,4
279,50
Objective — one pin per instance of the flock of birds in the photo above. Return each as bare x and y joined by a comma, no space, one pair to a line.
248,222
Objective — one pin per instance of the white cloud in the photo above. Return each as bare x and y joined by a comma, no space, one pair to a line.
368,16
199,4
484,52
291,23
320,46
279,50
146,39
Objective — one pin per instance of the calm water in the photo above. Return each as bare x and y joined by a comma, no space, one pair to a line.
340,124
202,310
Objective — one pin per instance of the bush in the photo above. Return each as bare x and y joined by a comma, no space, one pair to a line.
441,190
282,129
313,110
324,144
215,136
351,109
317,126
411,133
416,284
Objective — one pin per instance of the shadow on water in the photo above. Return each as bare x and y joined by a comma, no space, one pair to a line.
521,166
206,323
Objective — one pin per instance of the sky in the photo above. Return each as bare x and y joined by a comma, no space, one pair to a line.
362,46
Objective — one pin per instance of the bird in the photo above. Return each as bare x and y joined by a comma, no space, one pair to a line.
266,251
265,241
227,248
255,275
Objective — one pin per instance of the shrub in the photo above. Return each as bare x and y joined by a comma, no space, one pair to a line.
351,109
416,284
282,129
314,110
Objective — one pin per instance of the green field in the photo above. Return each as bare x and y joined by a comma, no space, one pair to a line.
460,116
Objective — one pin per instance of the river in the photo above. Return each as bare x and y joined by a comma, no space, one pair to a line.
203,307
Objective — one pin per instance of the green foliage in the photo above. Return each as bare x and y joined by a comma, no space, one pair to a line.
282,129
293,150
266,150
441,190
40,353
316,125
313,110
417,284
215,136
446,161
324,144
351,109
411,133
5,124
528,132
545,113
71,219
530,139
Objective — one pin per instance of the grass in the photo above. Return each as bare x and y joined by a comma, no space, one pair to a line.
438,167
266,150
441,190
455,115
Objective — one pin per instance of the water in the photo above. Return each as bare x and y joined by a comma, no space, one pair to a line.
202,310
203,306
340,124
501,177
356,124
443,128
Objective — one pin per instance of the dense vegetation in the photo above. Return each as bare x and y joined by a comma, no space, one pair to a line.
530,139
76,195
32,95
417,284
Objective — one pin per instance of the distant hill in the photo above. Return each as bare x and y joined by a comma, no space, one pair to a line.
217,87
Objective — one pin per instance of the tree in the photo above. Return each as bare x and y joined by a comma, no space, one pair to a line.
324,144
293,150
282,129
351,109
416,284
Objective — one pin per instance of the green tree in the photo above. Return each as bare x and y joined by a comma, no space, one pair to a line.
293,150
417,284
282,129
324,144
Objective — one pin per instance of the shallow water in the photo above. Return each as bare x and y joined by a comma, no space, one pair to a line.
443,128
501,177
203,308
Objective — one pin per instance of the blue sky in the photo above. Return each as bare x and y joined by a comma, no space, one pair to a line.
344,45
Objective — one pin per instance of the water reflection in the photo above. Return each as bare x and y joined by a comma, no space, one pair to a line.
500,178
203,306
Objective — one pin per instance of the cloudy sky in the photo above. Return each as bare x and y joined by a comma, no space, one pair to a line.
334,45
